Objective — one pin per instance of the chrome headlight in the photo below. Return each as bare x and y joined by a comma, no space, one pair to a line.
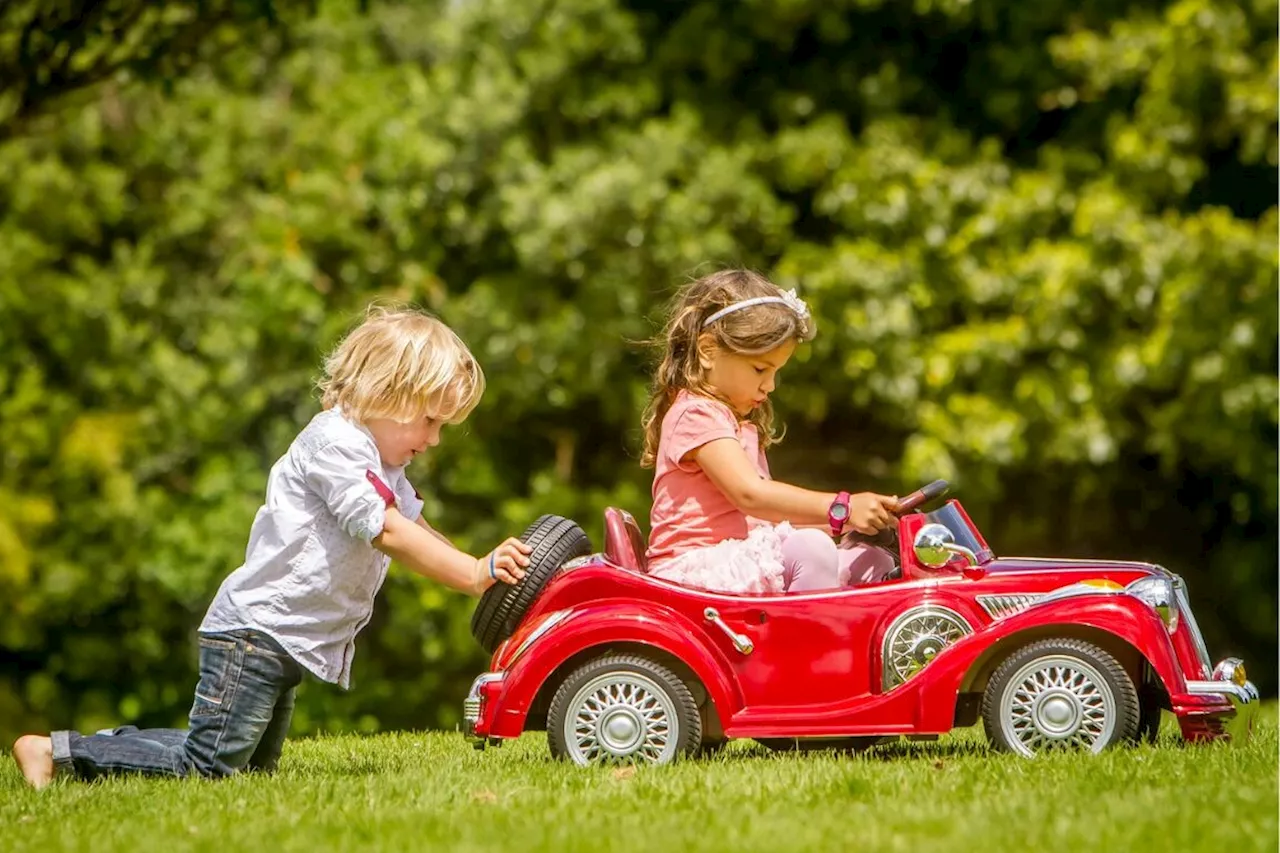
1157,592
1231,669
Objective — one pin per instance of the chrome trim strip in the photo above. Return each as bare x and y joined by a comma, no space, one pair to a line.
1184,606
1080,588
1007,604
547,624
1238,694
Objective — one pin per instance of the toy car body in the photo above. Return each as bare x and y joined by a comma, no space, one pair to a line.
618,665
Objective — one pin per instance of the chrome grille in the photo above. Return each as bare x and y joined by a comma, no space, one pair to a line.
1184,606
475,699
1000,606
470,712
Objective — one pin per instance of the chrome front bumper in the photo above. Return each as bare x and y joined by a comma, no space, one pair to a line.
473,705
1230,683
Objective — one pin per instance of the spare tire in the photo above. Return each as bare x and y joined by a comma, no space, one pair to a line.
555,540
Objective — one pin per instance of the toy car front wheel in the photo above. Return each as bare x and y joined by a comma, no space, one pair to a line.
623,708
1059,693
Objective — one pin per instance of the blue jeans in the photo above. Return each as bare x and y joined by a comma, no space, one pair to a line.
238,721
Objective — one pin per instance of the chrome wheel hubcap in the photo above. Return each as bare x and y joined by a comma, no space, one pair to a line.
1057,713
915,638
621,716
1057,702
620,730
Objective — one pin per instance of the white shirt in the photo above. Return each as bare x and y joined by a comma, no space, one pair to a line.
310,573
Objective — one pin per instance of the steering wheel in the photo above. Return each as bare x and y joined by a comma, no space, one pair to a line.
887,539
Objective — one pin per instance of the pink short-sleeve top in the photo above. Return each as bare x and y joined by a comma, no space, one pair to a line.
689,511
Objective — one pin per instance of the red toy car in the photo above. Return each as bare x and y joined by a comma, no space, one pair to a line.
617,665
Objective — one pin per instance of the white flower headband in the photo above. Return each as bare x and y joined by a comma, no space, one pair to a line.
788,298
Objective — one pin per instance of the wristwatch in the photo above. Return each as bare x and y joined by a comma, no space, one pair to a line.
838,513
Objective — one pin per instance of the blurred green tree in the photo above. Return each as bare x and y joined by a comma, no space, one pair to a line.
1039,240
51,50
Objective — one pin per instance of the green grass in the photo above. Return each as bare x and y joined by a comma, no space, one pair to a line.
420,791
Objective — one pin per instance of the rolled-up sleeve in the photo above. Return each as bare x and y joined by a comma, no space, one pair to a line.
407,498
348,479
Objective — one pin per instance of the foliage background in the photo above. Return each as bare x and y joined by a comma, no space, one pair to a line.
1040,240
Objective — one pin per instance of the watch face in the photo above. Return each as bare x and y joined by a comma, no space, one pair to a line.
839,511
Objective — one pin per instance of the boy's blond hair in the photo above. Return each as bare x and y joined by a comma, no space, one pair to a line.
402,364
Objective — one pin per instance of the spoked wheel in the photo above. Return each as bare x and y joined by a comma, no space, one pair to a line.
1059,694
623,708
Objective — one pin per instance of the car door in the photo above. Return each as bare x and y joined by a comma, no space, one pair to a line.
808,651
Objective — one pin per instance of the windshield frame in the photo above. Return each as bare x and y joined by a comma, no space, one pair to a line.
953,517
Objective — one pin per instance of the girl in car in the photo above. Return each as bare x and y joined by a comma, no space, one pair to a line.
719,521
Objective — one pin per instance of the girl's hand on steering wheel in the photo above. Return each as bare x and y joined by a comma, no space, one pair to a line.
870,513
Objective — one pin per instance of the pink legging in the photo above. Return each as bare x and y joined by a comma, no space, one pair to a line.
812,561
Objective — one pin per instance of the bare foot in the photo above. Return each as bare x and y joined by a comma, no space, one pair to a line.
34,755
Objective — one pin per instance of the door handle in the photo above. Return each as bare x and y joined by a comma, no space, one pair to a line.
741,642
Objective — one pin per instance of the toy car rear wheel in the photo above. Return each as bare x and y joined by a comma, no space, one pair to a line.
555,540
623,708
1059,694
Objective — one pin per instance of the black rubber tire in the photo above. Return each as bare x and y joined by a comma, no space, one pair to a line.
555,540
1123,692
687,721
824,744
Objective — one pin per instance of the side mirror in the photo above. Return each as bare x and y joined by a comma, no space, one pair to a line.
935,545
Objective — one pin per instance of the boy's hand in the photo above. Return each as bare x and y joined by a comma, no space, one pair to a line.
505,563
870,513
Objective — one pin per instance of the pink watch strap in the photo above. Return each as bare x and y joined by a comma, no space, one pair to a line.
837,524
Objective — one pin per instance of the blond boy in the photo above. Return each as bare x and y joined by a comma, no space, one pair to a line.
338,509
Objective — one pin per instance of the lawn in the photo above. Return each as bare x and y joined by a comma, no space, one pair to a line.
431,791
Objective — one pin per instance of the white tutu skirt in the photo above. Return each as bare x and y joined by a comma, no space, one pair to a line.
751,565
